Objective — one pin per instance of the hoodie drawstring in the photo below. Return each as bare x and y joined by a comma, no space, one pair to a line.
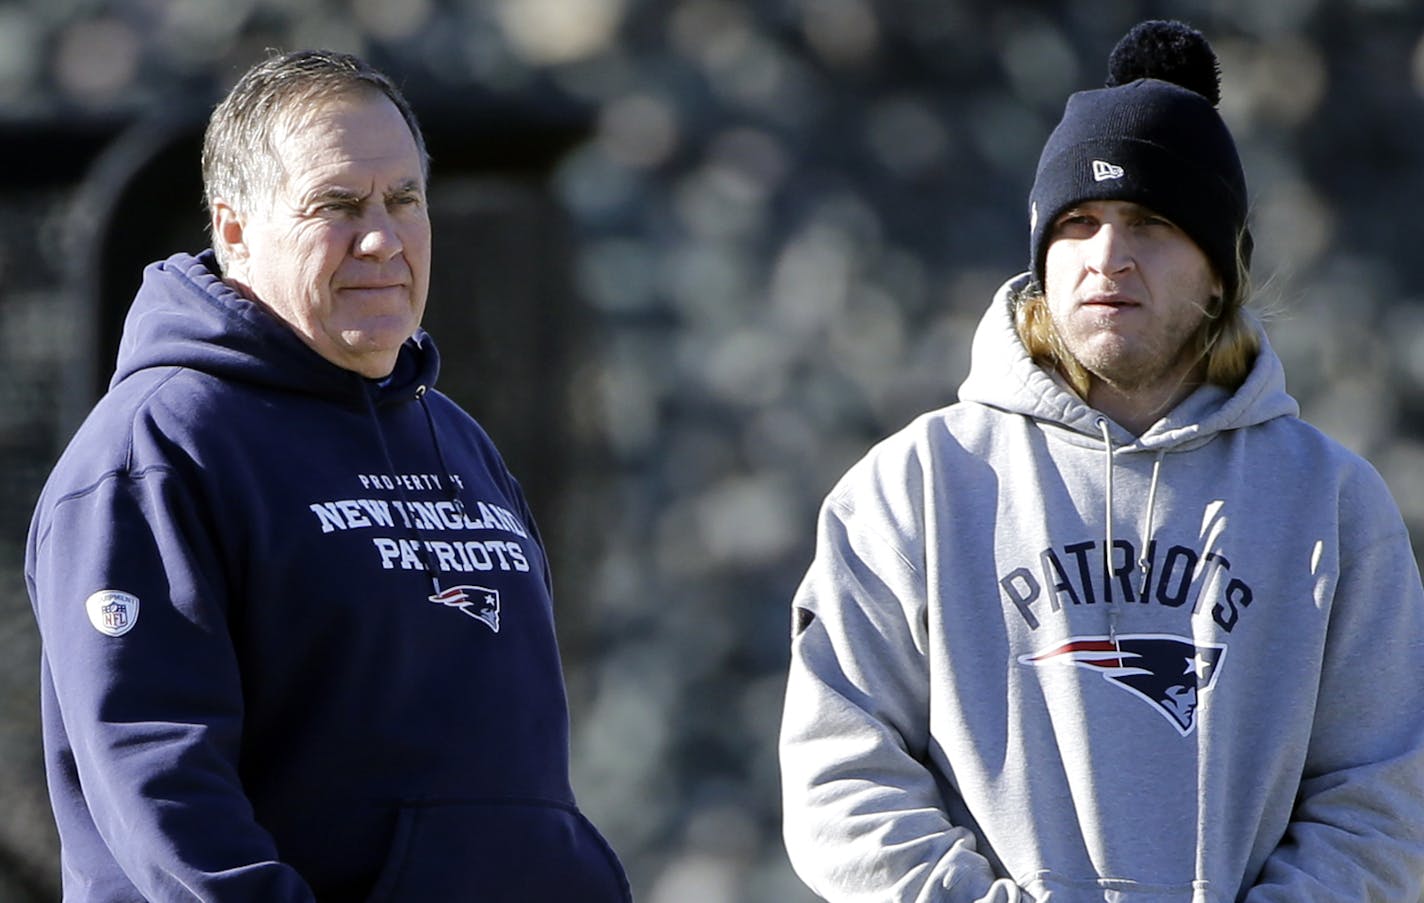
1108,530
1144,563
439,450
420,548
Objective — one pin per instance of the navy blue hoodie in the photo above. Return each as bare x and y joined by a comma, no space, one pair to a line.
298,638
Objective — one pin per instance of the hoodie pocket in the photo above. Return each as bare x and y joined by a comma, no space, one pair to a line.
497,851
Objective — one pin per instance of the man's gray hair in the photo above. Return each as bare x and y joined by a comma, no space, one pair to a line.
241,165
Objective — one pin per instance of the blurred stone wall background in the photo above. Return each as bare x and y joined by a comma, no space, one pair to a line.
693,257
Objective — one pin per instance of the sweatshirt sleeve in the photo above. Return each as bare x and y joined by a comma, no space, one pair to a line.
146,724
1357,830
863,817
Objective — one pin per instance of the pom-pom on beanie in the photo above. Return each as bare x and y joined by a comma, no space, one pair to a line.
1152,136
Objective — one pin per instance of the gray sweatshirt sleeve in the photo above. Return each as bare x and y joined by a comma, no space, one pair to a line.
1357,830
864,818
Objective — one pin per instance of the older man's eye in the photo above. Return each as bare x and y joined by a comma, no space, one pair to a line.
338,205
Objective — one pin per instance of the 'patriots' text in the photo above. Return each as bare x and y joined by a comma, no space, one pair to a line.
1077,574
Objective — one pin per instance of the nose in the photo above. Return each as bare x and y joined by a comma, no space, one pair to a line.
378,238
1109,251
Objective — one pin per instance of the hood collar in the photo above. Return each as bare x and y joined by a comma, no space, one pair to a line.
1003,376
184,315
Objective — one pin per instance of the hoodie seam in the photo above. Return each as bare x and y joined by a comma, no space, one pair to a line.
124,471
141,406
113,475
845,511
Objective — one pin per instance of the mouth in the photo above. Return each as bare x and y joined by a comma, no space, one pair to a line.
1112,300
372,289
374,279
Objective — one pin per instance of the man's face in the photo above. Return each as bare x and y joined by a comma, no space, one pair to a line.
342,251
1127,291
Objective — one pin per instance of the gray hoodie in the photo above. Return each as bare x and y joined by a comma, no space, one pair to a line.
982,706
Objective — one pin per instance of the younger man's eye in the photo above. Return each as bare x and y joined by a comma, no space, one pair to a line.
1074,221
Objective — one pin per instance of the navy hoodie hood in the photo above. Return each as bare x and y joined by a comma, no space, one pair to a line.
298,631
185,315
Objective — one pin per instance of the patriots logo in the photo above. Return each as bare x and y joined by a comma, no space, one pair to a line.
479,602
1170,672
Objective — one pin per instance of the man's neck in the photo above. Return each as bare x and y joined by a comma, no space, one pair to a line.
1136,409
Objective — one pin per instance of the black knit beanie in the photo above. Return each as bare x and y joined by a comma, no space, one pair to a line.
1151,136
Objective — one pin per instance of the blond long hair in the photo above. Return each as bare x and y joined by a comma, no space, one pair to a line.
1225,341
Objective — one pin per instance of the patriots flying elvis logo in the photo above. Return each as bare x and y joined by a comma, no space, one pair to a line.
1169,672
479,602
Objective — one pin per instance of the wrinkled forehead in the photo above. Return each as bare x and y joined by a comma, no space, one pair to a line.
312,111
349,125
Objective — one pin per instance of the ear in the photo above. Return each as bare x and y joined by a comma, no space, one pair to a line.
229,231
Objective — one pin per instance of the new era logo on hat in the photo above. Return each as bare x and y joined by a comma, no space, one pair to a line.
1103,170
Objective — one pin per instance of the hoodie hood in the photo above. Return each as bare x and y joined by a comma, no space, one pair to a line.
184,315
1003,376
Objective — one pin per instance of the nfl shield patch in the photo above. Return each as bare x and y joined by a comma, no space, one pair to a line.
111,612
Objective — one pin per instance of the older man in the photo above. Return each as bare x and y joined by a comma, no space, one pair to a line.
298,634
